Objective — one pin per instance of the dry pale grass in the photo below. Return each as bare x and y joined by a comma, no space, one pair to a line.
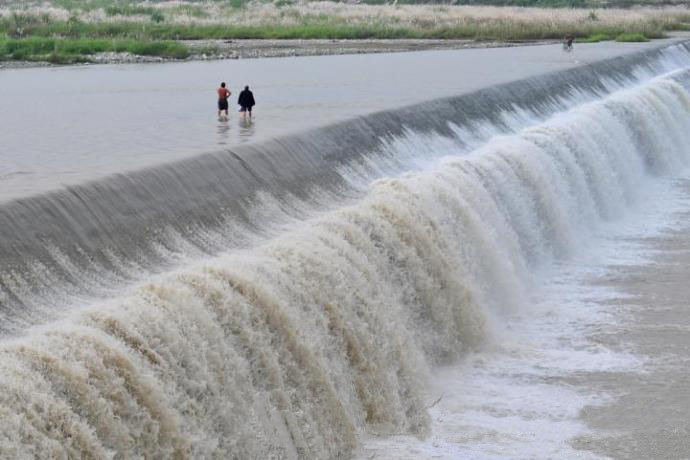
481,22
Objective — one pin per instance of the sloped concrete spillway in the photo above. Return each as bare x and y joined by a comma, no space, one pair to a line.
295,297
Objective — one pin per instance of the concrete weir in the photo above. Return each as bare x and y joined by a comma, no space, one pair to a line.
407,277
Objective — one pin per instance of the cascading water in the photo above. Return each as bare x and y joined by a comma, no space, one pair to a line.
293,338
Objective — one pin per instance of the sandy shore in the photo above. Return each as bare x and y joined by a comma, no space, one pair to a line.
250,49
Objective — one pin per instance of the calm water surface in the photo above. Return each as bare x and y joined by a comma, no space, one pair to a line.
71,124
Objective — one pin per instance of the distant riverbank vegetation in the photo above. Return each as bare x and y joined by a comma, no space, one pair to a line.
73,30
70,51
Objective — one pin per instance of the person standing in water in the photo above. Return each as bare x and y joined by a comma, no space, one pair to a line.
568,42
246,101
223,95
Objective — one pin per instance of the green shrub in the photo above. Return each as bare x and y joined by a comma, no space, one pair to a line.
237,3
62,51
134,10
157,16
594,38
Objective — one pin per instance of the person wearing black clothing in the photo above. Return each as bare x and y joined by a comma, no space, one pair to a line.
568,43
246,101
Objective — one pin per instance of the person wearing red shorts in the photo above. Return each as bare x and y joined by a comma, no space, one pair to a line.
223,95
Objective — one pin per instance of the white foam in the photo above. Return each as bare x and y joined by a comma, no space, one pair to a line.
516,398
294,346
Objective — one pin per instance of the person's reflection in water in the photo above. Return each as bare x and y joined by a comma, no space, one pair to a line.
223,132
246,129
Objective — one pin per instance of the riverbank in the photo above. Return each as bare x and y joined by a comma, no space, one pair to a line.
241,49
206,50
329,20
80,31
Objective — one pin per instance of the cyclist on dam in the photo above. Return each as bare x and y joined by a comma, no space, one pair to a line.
568,42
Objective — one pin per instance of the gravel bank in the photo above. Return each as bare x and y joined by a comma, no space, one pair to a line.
250,49
241,49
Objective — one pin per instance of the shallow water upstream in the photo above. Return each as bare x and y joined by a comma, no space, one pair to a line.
73,124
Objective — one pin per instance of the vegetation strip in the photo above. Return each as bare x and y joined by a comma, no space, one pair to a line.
64,51
74,30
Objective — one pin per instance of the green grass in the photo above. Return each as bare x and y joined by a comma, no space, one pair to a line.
595,38
631,37
88,5
623,37
65,51
312,28
94,4
28,34
302,22
134,10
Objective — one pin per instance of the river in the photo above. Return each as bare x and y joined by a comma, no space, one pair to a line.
456,254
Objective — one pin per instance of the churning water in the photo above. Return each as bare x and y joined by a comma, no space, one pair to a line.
292,298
